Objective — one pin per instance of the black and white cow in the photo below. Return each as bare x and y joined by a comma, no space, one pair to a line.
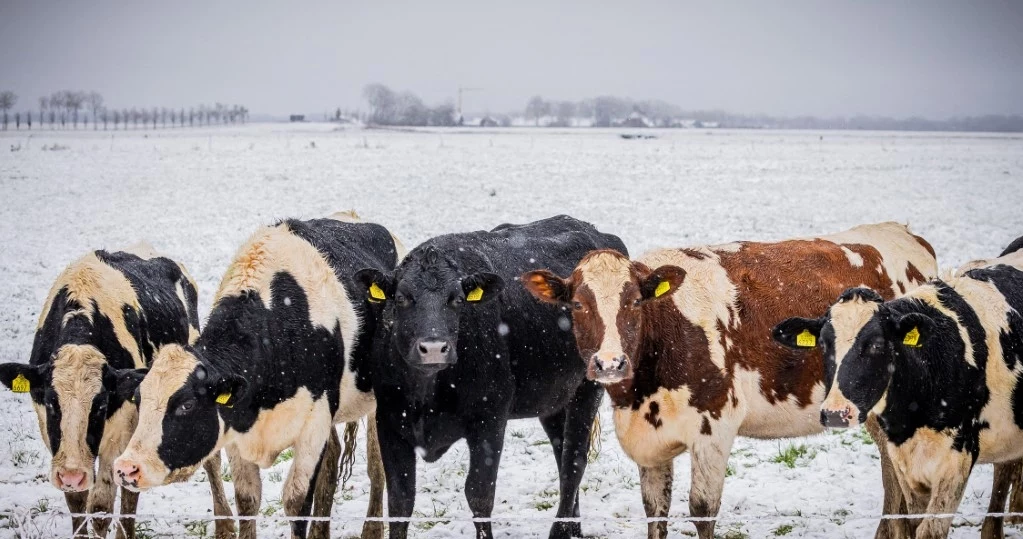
107,314
463,348
941,368
281,360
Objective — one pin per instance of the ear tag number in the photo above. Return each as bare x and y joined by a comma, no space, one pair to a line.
662,289
20,384
806,339
475,295
912,338
376,293
224,398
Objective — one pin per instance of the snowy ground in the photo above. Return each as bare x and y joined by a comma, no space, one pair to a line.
197,194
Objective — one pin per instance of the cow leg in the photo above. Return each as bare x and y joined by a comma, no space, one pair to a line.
129,504
298,492
102,494
326,486
375,468
655,485
945,498
77,503
710,460
554,426
486,441
894,501
578,424
399,460
221,507
1001,483
248,491
1016,498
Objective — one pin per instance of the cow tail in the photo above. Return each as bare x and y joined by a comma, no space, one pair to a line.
594,451
348,455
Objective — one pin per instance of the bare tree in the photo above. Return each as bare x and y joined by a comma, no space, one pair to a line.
28,118
245,113
135,117
7,101
117,118
382,103
95,101
17,121
537,108
44,103
74,102
104,115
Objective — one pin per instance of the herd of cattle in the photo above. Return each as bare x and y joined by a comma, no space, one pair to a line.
326,321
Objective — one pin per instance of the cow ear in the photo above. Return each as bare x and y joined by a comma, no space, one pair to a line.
913,329
229,390
548,287
798,333
481,287
21,377
125,382
379,286
661,282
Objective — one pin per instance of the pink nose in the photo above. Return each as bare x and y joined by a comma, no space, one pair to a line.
71,479
127,472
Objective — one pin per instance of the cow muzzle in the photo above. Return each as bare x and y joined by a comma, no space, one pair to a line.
609,368
839,413
131,474
72,479
433,354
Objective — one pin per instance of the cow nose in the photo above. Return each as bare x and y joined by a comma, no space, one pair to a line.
72,480
609,370
835,419
616,363
433,352
127,472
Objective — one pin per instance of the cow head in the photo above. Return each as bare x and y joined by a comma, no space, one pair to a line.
423,301
179,402
859,338
607,294
71,395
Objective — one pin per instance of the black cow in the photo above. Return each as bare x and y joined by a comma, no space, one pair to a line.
280,361
463,348
940,367
107,313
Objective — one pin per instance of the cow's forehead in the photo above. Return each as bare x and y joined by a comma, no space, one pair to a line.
605,273
848,318
171,369
78,369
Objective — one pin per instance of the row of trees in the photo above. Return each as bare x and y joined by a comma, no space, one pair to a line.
603,111
387,107
74,107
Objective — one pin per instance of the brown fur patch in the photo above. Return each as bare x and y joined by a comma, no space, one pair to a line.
651,416
913,273
705,428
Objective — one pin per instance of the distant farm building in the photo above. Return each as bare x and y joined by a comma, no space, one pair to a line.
297,117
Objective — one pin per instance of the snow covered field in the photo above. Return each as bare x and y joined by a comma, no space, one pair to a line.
197,194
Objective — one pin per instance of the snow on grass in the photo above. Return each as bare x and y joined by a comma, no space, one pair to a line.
197,194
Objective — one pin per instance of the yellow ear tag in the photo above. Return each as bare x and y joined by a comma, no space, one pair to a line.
223,398
806,339
912,338
662,289
20,384
475,295
376,293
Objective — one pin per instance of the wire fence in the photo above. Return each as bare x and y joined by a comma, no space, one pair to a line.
30,523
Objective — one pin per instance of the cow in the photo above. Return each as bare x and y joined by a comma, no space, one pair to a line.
680,338
281,360
940,369
462,348
107,314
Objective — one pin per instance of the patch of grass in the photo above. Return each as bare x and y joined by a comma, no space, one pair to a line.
734,533
864,436
437,513
789,455
274,476
784,529
225,473
518,434
272,506
285,456
199,529
541,442
143,530
43,505
729,470
543,505
22,457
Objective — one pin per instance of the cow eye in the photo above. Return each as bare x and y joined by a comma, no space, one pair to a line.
577,305
875,348
456,301
636,302
185,407
402,300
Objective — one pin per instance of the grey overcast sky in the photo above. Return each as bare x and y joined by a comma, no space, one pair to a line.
934,58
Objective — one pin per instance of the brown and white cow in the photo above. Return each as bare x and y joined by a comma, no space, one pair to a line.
107,314
681,339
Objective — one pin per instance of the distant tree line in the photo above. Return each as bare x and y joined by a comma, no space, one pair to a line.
387,107
68,108
611,111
